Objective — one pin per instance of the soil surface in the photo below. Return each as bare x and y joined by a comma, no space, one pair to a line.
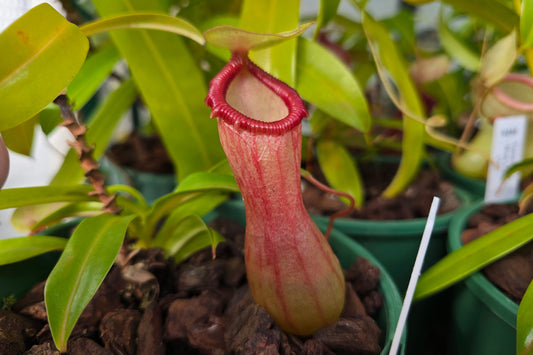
414,202
513,273
202,306
142,153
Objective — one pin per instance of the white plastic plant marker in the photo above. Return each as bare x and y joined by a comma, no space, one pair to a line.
508,142
415,274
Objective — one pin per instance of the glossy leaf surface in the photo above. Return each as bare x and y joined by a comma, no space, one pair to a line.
144,20
24,196
326,82
87,258
265,16
340,170
17,249
183,236
524,323
475,255
189,189
45,53
172,87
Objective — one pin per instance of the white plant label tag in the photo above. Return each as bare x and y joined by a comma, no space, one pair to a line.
508,142
415,275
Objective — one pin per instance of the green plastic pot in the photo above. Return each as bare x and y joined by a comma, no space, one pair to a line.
347,251
151,185
476,187
395,243
483,317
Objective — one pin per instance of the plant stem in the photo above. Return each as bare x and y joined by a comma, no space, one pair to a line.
87,162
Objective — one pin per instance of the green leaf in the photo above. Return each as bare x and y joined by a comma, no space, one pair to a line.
99,131
92,74
326,82
526,198
20,138
526,23
201,204
78,209
236,39
50,118
144,20
207,181
17,249
340,169
25,196
192,187
521,166
492,12
215,21
498,60
182,236
23,218
456,49
327,10
204,239
387,56
87,258
45,52
172,86
475,255
524,323
265,16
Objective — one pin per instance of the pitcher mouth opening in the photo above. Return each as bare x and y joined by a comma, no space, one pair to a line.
245,96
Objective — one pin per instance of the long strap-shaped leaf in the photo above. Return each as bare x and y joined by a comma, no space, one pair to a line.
17,249
41,53
144,20
387,54
475,255
172,86
26,196
86,260
195,185
325,81
524,323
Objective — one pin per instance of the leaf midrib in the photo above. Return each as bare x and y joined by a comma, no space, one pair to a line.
75,288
